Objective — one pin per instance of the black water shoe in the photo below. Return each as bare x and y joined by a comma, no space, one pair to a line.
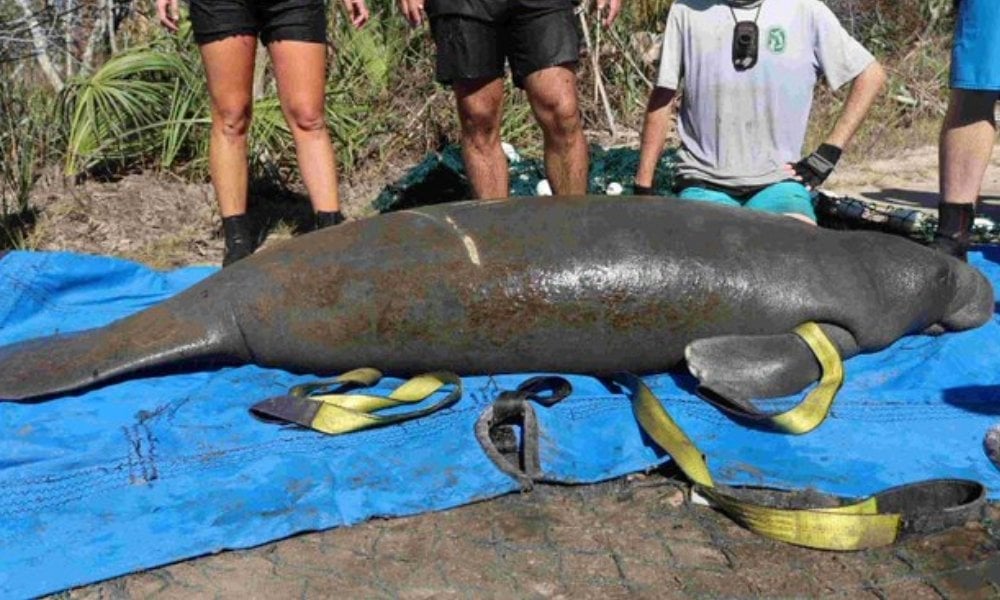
328,219
954,231
239,241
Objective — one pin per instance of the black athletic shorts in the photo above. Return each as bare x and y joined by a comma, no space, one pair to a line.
272,20
475,37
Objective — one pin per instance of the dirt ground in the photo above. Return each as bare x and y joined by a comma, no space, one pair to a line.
634,537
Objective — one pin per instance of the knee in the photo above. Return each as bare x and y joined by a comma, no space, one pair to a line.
233,119
787,198
480,125
559,118
306,118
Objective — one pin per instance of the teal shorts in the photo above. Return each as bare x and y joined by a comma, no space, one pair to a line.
782,198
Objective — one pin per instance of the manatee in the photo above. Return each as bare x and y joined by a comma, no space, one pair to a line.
575,285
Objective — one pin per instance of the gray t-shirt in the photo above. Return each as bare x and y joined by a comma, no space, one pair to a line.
740,128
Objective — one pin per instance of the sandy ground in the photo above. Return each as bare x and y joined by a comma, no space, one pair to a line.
630,538
908,180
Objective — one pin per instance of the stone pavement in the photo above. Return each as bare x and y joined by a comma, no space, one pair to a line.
634,538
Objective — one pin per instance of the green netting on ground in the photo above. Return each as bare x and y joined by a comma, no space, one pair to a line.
844,212
440,177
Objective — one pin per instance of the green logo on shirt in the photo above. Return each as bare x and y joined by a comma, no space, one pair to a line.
777,39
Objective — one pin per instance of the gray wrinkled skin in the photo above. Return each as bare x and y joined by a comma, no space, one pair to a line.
584,285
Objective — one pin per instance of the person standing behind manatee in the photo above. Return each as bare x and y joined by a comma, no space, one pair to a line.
540,39
294,32
970,126
749,68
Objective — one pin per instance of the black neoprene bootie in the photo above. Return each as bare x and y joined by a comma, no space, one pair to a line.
326,219
239,242
954,231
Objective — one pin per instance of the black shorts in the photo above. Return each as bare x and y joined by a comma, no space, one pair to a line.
272,20
475,37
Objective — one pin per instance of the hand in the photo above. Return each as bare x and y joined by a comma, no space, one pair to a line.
413,10
169,15
357,10
814,169
613,7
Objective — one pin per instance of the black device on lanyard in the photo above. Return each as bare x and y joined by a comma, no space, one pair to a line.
746,42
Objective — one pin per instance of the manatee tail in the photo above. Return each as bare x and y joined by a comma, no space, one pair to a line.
156,338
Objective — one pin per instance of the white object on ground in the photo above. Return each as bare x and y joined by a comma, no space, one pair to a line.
543,188
511,153
699,500
614,189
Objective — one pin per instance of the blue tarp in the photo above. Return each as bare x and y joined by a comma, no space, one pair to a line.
151,471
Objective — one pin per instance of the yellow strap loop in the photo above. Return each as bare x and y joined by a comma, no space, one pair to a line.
364,377
344,413
851,527
814,409
338,412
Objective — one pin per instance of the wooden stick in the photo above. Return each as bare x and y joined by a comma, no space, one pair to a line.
595,62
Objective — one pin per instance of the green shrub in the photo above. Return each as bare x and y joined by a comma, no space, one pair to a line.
147,106
25,136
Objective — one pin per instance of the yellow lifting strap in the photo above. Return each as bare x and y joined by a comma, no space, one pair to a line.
851,526
327,407
811,412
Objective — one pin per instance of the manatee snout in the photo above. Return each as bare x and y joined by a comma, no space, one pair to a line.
972,303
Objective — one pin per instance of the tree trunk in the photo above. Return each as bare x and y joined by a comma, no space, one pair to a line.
110,16
40,44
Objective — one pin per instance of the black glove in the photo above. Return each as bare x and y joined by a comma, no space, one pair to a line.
815,168
642,190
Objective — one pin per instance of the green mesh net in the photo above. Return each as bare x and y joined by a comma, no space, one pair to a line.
440,177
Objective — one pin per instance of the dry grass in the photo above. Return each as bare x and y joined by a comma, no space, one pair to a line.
908,114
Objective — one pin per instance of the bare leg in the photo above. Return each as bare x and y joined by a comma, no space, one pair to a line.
480,106
300,69
552,93
966,143
229,69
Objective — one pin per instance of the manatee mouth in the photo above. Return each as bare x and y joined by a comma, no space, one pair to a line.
973,303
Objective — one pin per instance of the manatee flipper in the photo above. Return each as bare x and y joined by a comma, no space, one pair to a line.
153,338
742,367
